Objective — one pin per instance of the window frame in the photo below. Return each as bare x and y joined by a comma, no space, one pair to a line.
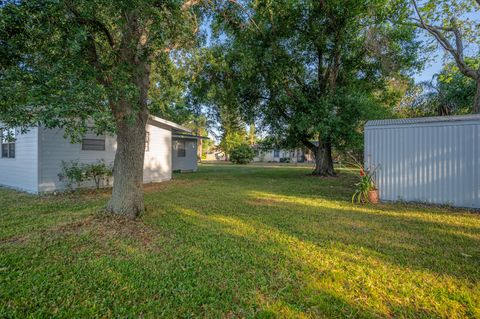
99,138
276,153
8,140
181,152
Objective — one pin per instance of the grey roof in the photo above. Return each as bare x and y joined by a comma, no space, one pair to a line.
172,125
189,136
417,120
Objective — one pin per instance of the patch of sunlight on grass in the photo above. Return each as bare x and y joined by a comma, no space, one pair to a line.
350,272
277,309
238,242
383,209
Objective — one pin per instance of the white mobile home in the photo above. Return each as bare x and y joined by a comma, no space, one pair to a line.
434,159
33,161
296,155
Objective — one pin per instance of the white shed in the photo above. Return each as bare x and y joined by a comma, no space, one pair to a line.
184,152
33,161
431,159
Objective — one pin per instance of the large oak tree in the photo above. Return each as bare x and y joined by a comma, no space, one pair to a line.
317,67
89,64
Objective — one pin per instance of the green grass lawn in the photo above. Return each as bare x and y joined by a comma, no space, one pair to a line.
238,241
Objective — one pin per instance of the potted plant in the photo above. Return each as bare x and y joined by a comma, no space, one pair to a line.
366,189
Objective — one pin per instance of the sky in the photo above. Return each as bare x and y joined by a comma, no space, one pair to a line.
430,69
436,62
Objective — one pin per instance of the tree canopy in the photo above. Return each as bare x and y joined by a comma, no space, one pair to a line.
312,70
451,24
306,72
99,64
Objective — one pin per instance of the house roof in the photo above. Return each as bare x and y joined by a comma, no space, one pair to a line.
417,120
172,125
178,134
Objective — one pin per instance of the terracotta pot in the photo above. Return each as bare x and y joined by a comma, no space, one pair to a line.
373,196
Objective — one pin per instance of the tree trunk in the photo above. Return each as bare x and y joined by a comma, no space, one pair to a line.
200,149
131,118
323,159
127,193
476,101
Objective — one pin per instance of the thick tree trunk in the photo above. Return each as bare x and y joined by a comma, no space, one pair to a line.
127,193
476,101
323,159
131,118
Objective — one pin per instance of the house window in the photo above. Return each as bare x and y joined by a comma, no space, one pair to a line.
276,153
8,143
93,143
147,142
181,150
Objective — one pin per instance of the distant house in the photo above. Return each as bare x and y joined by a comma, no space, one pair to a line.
185,151
296,155
32,161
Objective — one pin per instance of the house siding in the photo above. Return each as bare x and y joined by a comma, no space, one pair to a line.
55,148
21,172
189,162
158,160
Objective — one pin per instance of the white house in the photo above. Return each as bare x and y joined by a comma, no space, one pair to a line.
32,162
297,155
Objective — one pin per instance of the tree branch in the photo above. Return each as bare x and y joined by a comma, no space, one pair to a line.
95,24
457,51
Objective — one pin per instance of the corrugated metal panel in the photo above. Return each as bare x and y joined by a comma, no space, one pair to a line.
425,162
418,120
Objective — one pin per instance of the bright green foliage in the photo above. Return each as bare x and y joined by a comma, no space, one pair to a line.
454,27
449,93
242,154
238,242
75,173
98,172
365,185
232,137
216,87
315,69
64,62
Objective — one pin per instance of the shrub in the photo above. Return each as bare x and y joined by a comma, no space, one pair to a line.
242,154
97,172
72,174
284,160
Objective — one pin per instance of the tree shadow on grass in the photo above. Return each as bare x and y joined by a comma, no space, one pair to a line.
299,277
447,244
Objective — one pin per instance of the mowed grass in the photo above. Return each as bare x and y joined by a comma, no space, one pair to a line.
238,241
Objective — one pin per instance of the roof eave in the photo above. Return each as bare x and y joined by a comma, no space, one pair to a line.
170,124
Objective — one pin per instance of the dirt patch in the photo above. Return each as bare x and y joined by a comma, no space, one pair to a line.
105,234
324,177
111,227
14,240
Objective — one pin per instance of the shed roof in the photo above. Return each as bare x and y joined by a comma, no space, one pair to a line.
418,120
178,134
170,124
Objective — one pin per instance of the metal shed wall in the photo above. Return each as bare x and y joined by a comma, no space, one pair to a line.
434,160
